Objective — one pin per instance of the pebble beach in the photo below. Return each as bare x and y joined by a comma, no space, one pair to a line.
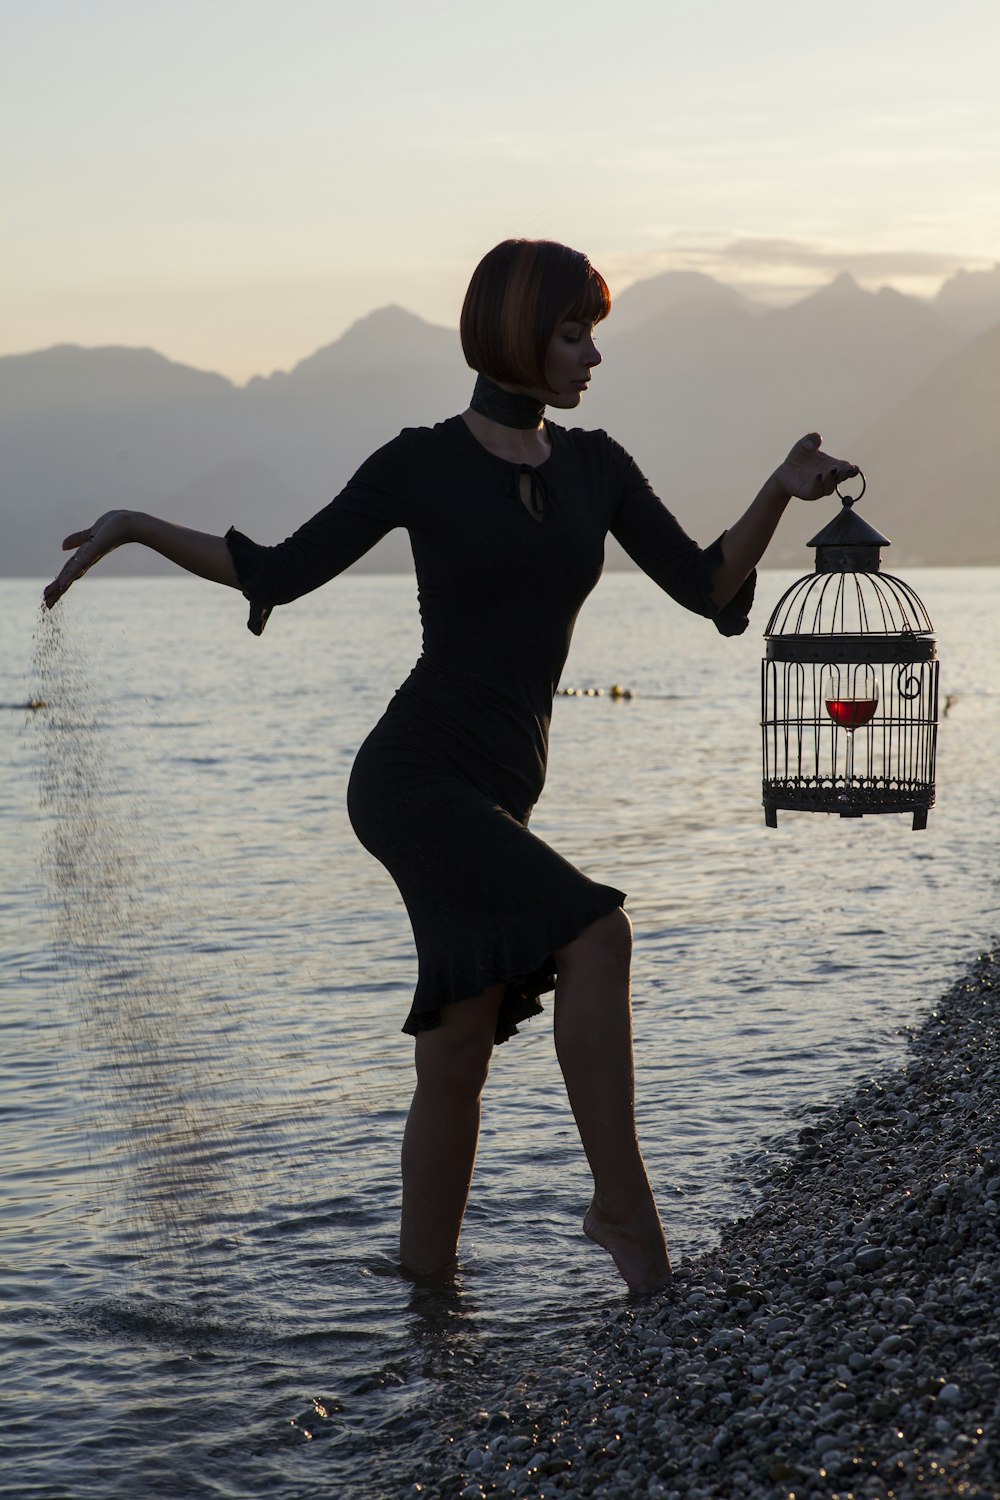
840,1341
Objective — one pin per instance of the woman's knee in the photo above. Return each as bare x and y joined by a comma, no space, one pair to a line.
606,942
455,1056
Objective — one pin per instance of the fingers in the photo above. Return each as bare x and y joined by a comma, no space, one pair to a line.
835,470
829,478
842,471
53,592
829,471
77,539
87,547
811,474
802,451
71,571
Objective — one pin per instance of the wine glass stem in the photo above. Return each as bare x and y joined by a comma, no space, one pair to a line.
850,756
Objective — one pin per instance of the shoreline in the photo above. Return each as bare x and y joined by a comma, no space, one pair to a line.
842,1341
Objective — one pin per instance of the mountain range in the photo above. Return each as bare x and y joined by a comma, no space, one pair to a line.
705,388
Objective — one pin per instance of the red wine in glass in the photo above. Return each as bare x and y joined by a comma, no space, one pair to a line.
851,713
851,698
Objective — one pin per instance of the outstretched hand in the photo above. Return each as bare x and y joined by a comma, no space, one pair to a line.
809,474
88,547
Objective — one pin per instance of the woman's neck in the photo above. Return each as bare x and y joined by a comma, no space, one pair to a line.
514,444
508,423
506,405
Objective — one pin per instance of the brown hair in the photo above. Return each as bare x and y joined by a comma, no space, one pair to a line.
519,294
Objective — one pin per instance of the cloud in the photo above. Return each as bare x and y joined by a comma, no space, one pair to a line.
773,271
864,264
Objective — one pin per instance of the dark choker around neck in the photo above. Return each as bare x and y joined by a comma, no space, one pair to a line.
506,407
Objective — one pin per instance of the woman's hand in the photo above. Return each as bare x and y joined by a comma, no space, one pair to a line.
809,474
109,531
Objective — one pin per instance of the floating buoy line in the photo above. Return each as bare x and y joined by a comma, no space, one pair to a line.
615,691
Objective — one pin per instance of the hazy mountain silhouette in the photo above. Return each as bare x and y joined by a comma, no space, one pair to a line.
970,300
708,397
647,300
389,338
178,442
707,394
68,377
933,465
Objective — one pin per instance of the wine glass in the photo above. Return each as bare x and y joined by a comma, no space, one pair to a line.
851,697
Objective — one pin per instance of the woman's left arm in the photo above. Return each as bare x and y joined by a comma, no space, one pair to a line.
807,474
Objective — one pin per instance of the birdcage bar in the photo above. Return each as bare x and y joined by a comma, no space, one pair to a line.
805,750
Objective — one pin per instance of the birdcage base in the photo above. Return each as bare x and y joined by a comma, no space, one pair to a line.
855,799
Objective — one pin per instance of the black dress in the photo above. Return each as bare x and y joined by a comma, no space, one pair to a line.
443,787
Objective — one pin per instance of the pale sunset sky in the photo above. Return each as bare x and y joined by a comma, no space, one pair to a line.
233,182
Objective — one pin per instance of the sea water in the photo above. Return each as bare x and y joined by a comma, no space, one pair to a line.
202,1080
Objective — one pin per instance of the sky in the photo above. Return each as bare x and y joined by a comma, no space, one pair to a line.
234,182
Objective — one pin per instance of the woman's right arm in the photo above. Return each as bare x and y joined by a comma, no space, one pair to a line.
196,551
372,503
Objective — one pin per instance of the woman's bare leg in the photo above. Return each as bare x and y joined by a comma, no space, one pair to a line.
593,1032
442,1130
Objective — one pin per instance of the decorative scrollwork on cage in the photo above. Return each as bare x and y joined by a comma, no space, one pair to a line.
849,686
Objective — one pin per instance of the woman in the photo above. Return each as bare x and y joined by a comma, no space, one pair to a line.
507,515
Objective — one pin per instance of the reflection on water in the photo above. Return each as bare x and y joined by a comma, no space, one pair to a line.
202,1084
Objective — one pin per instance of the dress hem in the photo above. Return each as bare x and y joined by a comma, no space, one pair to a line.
521,1001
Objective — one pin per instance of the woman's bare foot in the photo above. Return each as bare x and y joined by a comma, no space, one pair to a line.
636,1245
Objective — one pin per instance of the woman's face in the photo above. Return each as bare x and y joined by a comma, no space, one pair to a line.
569,359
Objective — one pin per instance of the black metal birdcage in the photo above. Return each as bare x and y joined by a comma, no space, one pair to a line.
849,685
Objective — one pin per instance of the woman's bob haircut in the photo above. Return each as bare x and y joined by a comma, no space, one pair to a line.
520,293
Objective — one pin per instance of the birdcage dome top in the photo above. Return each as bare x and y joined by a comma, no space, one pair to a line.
848,609
849,604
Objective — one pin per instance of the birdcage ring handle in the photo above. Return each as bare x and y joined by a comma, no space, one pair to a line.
850,500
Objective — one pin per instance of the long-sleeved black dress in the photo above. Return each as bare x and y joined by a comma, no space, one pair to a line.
443,787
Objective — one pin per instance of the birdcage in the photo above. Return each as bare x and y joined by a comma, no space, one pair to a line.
849,686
